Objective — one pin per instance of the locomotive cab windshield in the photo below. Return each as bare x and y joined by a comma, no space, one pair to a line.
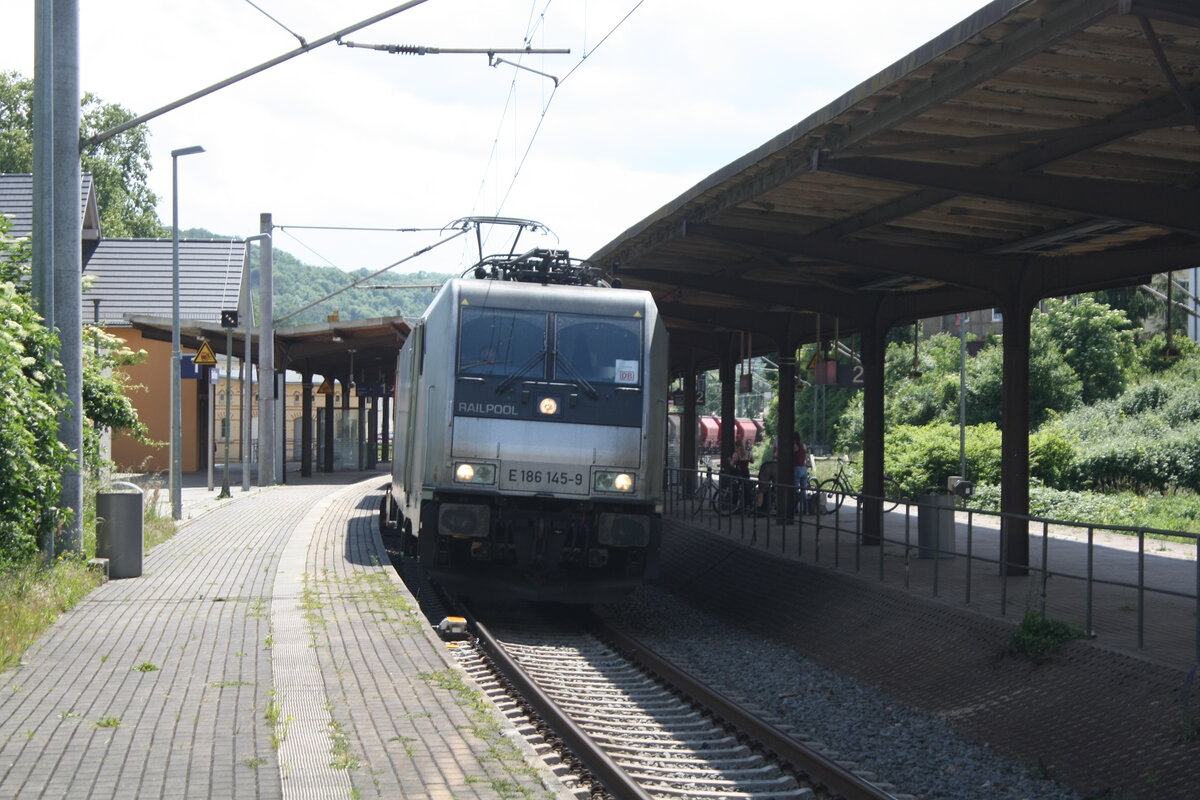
581,349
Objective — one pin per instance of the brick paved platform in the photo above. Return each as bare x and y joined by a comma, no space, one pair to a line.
267,651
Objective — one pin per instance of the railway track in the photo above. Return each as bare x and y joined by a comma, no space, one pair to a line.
632,725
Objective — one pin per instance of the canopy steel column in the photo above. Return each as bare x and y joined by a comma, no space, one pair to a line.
874,345
361,431
785,498
385,440
306,425
373,433
345,381
687,424
328,460
728,414
281,426
1014,440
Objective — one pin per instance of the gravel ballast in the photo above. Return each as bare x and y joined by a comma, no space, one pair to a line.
917,752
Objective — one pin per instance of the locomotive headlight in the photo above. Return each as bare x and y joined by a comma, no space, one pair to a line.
547,406
619,482
465,472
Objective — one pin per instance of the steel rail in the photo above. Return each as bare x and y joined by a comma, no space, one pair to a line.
804,760
614,779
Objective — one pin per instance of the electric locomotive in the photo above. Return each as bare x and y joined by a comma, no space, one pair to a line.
530,421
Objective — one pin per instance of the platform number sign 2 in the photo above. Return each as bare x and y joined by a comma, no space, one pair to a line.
850,376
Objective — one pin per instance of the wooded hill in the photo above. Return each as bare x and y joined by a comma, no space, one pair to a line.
298,284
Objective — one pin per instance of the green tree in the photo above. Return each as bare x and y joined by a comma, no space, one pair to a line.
1096,340
120,166
16,123
1053,385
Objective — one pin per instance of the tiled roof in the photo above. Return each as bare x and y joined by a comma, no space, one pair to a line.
16,202
133,276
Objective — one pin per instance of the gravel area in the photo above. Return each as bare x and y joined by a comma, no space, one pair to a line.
917,752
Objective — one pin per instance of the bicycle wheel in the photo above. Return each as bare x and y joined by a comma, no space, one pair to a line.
891,494
727,500
705,493
835,492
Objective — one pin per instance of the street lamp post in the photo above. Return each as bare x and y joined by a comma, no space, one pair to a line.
176,476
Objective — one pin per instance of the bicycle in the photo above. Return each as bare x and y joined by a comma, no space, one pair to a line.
838,487
723,492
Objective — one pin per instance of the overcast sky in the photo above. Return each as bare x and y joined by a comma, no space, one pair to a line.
353,137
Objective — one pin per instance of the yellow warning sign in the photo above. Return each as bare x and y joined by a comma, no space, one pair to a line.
325,387
205,357
814,362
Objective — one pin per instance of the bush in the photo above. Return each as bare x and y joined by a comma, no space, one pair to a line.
921,458
1052,454
31,457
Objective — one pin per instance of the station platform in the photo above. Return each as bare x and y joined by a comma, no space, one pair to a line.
268,650
1106,714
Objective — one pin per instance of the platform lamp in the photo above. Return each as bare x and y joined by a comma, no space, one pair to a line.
176,476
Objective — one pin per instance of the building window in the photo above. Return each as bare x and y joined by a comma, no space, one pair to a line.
997,315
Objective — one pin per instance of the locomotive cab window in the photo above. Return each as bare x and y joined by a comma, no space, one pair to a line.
604,350
502,342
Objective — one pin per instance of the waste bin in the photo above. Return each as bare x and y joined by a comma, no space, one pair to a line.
935,526
119,530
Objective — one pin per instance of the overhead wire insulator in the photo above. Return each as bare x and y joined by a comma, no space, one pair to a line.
412,49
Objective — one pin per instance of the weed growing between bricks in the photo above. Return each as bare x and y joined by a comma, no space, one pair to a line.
1037,638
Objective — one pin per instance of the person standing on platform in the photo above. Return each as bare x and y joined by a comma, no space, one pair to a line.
740,466
800,470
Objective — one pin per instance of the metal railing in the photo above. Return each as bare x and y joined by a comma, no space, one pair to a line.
1064,551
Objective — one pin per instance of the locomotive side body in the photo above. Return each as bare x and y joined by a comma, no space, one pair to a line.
530,423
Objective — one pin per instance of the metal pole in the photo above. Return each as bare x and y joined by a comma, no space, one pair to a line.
247,401
246,319
266,362
43,183
67,260
43,160
176,473
212,418
228,409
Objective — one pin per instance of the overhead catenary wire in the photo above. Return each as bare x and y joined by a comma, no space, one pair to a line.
359,228
260,10
546,108
304,48
287,229
375,274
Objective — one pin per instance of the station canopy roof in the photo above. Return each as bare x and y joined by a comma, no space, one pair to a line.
321,349
1039,148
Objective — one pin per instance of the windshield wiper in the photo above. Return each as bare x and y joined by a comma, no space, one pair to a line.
559,358
511,379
